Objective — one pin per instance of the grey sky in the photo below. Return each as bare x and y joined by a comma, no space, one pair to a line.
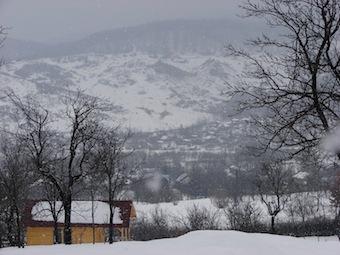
60,20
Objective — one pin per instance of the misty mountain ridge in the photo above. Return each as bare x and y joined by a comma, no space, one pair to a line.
206,37
159,76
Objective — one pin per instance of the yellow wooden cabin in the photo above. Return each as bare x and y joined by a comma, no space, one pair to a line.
39,224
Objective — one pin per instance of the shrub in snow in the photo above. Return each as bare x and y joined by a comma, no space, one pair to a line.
155,226
244,217
200,218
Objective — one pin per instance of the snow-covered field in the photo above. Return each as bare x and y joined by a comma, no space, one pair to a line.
196,243
179,209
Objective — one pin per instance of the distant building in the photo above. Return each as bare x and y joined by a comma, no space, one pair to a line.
39,223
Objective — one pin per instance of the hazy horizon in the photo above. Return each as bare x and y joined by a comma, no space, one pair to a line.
71,20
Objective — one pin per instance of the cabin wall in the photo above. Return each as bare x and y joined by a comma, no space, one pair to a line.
39,235
124,234
44,235
85,235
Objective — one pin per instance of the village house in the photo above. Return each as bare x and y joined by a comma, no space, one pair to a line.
89,222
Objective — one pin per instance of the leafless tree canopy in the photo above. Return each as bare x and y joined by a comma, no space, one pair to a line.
109,160
295,75
59,158
273,183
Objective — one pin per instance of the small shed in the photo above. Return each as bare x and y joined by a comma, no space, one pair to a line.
89,221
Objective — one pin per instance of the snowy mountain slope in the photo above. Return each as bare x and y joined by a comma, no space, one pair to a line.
143,91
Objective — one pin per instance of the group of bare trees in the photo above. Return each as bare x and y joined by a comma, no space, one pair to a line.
14,186
291,84
294,77
60,163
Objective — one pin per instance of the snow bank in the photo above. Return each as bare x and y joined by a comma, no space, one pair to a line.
195,243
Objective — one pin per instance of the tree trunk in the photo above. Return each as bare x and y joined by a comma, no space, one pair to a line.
9,223
55,231
67,222
19,240
92,216
111,230
272,228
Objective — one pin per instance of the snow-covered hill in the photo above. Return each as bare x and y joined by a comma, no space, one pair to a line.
143,91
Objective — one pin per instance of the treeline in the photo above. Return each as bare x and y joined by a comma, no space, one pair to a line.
303,214
157,226
60,158
308,202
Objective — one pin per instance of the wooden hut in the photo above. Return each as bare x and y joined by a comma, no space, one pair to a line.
89,221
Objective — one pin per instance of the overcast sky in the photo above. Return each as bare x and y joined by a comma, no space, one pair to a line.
61,20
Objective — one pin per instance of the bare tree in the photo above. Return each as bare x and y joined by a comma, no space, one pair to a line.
110,160
55,208
81,113
303,206
199,218
70,149
273,185
92,183
243,216
295,77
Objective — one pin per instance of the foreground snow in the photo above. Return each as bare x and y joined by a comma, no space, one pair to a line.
198,243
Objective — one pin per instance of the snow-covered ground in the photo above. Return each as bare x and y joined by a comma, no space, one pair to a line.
195,243
174,210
